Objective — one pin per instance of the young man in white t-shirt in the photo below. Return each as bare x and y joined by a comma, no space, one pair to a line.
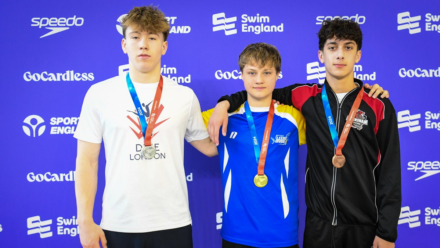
145,202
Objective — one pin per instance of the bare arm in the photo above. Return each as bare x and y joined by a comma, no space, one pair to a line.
205,146
86,182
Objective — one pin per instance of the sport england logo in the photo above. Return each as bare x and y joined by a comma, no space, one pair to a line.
220,22
429,168
248,22
314,71
56,25
410,217
405,21
404,119
356,18
33,126
167,71
171,20
35,225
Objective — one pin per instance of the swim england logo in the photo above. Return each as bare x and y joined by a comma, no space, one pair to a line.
220,22
405,21
56,25
314,71
33,126
405,119
35,225
256,24
410,217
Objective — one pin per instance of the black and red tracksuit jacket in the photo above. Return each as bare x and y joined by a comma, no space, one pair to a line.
367,190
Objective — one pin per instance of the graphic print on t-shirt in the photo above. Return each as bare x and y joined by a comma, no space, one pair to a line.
360,120
147,112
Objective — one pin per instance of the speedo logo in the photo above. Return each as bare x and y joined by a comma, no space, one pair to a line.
56,25
428,168
356,18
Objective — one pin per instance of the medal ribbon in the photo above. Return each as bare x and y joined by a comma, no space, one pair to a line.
340,142
147,129
260,157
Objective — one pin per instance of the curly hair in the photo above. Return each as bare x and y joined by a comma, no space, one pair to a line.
147,18
261,54
340,29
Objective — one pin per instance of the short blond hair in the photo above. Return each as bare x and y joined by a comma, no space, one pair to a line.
261,54
147,18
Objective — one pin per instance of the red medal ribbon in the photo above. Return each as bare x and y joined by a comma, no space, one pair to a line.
266,138
349,122
152,119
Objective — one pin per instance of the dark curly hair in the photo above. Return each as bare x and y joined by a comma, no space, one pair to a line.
340,29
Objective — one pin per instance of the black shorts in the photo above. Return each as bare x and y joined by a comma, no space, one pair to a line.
178,238
227,244
320,233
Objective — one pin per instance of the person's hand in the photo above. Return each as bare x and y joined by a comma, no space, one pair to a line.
90,234
219,118
380,243
376,90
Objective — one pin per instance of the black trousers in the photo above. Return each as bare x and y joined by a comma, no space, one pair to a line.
175,238
321,234
227,244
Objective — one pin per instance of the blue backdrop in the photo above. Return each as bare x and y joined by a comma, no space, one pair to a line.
53,51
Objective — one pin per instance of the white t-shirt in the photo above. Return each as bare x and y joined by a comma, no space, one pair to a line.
341,96
142,195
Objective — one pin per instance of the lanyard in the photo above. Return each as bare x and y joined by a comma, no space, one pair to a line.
260,157
340,143
147,129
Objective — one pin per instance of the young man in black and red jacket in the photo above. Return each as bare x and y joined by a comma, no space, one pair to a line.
359,204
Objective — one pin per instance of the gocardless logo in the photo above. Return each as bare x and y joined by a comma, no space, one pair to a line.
33,126
51,177
56,25
68,76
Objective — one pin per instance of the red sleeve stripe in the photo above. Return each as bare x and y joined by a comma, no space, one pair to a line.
302,93
378,107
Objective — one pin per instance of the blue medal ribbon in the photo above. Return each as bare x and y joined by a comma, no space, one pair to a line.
253,130
329,115
137,104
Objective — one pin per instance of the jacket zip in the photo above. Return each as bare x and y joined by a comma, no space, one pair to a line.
335,170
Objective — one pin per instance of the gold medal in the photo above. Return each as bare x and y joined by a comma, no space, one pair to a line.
260,180
338,161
